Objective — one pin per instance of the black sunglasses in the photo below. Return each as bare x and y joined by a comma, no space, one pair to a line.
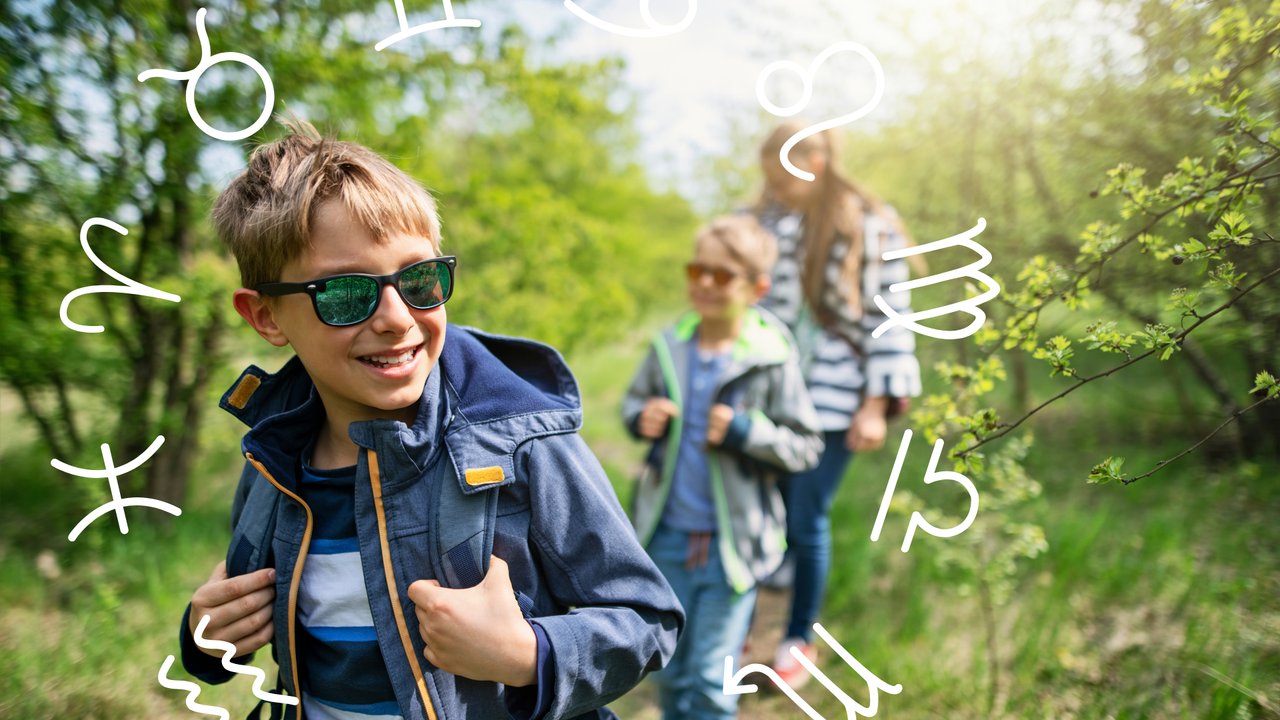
342,300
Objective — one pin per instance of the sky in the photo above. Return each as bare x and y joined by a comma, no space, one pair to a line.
696,86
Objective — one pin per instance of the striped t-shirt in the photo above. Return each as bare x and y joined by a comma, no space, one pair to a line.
342,672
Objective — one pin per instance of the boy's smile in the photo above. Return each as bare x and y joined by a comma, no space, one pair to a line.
373,369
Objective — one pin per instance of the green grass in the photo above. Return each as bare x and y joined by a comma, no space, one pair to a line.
1157,600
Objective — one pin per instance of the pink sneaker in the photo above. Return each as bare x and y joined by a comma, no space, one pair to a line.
790,669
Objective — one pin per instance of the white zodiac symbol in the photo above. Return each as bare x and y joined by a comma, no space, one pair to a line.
852,707
806,79
931,475
655,28
131,287
969,306
405,31
206,62
112,474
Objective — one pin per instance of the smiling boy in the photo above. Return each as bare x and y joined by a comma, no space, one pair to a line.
408,531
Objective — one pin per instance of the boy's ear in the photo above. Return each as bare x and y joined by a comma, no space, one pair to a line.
256,311
762,285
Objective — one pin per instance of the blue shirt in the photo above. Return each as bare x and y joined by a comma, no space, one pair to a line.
690,506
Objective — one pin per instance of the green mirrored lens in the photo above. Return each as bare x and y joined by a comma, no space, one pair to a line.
347,300
425,285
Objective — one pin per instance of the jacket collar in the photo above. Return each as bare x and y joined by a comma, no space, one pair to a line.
486,396
763,339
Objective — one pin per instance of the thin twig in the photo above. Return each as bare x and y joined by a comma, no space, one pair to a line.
1233,417
1007,428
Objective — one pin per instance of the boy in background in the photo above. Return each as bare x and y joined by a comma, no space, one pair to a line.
722,397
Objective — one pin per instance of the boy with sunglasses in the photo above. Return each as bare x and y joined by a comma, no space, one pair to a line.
419,531
721,396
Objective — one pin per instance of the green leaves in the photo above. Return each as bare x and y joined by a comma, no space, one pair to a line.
1107,471
1264,382
1057,352
1161,337
1104,336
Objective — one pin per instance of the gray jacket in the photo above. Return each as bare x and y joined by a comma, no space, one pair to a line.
774,431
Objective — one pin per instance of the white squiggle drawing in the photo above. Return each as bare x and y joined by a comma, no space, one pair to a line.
112,474
968,306
654,29
806,80
193,692
130,287
406,32
193,76
931,475
228,652
733,686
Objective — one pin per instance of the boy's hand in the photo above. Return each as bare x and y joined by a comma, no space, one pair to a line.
477,632
718,423
657,412
239,609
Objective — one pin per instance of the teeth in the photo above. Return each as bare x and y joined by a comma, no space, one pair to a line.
403,357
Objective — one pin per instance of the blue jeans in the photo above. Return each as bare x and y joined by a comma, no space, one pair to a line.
691,687
808,497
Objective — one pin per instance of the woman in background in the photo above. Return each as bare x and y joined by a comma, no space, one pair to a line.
831,235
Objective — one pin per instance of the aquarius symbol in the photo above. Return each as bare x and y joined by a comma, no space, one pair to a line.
968,306
131,287
806,80
655,28
206,62
193,692
112,474
228,652
851,707
931,475
406,32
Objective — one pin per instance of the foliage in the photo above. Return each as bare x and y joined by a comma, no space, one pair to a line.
532,163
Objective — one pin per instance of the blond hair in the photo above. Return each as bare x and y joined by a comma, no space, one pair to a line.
265,215
751,245
839,208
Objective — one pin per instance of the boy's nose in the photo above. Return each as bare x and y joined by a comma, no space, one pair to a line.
393,314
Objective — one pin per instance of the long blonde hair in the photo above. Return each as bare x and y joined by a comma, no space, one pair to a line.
839,208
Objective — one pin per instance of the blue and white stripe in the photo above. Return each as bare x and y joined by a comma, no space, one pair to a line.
343,674
837,375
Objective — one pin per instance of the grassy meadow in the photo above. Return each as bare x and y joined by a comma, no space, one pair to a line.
1157,600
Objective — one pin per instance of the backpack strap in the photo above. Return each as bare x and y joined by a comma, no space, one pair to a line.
462,521
250,548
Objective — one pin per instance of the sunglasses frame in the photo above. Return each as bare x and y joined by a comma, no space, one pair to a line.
313,287
695,269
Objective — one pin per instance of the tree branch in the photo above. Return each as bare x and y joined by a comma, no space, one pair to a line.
1158,466
1006,428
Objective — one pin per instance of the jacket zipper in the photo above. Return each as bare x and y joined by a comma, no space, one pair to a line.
375,479
294,581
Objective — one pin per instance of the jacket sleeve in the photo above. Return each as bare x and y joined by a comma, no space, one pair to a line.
625,619
646,384
785,433
200,665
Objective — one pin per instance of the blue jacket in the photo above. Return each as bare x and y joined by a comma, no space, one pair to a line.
499,417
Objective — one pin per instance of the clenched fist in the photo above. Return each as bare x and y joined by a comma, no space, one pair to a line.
718,423
654,417
477,632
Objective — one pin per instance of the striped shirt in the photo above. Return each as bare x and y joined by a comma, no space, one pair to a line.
837,373
343,675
